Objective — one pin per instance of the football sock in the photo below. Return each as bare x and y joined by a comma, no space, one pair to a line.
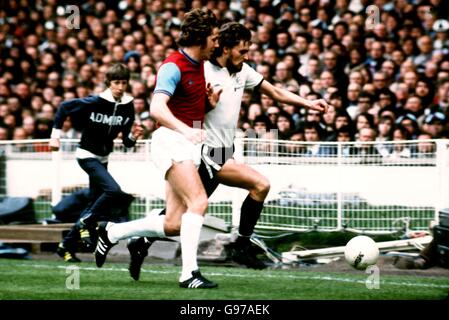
249,214
151,226
191,224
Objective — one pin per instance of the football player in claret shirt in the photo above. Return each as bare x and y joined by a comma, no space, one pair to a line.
179,106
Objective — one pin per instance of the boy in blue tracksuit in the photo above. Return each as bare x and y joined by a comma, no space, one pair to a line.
101,119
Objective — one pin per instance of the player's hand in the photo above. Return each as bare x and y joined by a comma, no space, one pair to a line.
212,96
137,130
319,105
195,135
54,144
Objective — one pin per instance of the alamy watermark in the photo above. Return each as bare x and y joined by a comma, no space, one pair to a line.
73,19
373,280
373,17
72,282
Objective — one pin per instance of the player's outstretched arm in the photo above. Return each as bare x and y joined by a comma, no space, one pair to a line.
288,97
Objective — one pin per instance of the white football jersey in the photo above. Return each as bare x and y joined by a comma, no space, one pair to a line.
221,122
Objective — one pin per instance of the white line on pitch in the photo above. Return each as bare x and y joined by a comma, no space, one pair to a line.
237,275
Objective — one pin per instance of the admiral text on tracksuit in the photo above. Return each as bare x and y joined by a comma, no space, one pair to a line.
100,119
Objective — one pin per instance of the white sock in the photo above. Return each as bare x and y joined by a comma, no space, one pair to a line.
191,224
151,226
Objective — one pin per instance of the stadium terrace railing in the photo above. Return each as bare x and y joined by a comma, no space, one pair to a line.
371,187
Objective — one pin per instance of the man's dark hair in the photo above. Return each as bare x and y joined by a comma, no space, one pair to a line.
315,125
345,129
389,93
196,27
264,119
365,94
230,35
117,71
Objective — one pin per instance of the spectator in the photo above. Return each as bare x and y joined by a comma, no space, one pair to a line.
387,99
365,150
425,149
379,81
148,123
140,105
385,129
434,124
265,70
283,76
329,119
376,58
299,47
390,70
424,90
313,134
401,91
357,57
284,125
47,65
43,128
409,121
400,150
311,69
273,114
19,134
266,102
354,90
364,103
363,120
425,52
441,29
296,148
29,127
344,134
356,76
342,118
442,96
4,133
261,130
414,106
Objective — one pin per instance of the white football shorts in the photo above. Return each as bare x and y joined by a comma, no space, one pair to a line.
169,146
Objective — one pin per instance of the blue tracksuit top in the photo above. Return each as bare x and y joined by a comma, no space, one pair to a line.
100,119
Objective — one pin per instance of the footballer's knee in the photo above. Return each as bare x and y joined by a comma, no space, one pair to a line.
172,227
260,189
199,204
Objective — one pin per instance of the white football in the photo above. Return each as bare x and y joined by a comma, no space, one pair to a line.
361,252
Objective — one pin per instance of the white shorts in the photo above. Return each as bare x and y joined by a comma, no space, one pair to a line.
168,146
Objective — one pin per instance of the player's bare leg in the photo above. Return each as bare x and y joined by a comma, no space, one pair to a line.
138,247
186,184
175,207
239,175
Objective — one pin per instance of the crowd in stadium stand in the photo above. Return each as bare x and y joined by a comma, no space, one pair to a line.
384,70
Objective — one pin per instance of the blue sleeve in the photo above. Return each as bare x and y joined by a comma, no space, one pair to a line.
75,108
168,78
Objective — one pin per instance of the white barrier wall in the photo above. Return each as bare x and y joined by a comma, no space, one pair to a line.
331,191
408,186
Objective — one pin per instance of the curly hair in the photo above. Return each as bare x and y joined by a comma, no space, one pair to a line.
196,27
230,35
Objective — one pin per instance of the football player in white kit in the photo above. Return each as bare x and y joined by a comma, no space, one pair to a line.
227,72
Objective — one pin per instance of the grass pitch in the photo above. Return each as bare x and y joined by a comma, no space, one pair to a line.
54,280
